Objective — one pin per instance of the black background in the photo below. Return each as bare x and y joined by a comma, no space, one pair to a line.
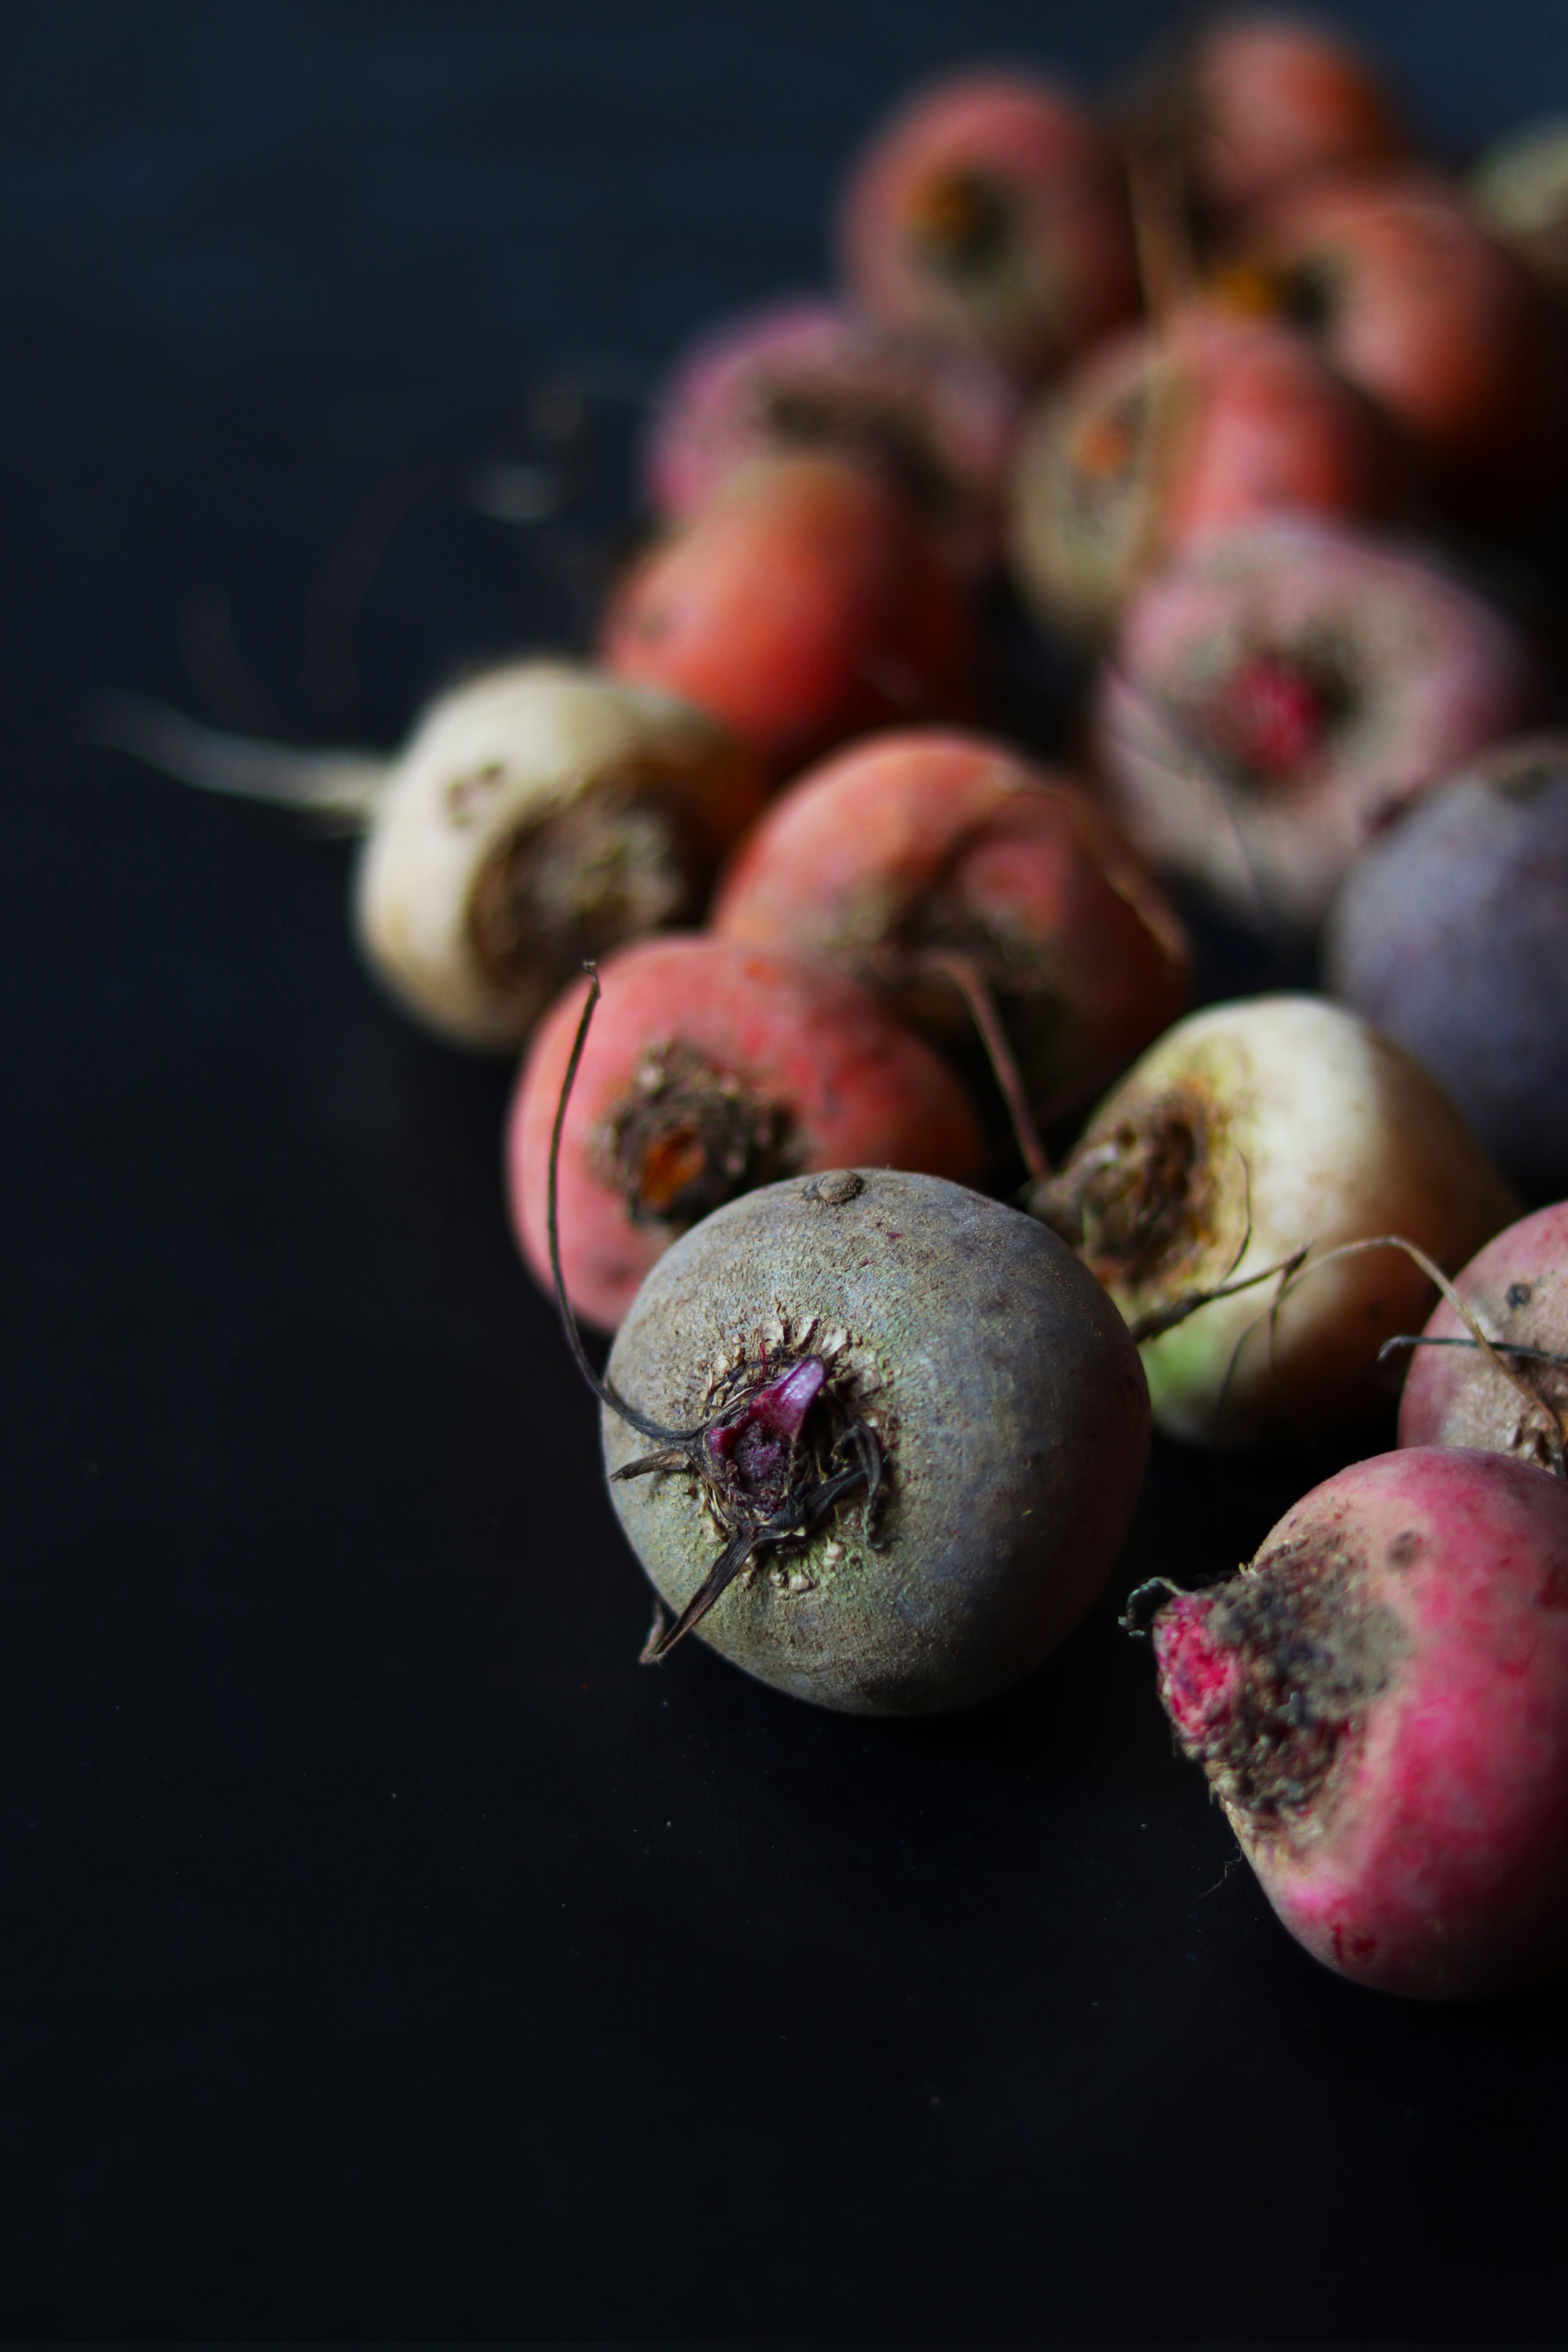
381,1950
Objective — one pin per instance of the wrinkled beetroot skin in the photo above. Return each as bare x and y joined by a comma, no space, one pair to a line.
1518,1289
1380,1702
811,375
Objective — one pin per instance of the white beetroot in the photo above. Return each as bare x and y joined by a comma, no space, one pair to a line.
1211,1188
540,813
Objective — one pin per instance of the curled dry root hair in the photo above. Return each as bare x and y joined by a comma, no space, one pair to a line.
774,1457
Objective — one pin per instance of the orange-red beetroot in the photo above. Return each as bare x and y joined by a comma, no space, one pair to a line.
1449,332
812,376
991,210
804,603
1517,1287
1164,434
927,841
1380,1702
1263,102
712,1069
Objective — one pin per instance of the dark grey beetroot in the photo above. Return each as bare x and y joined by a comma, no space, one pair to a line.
1451,934
1007,1401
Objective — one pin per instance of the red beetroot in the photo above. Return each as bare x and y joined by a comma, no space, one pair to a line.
927,842
1450,333
810,375
1517,1287
1280,692
804,603
1380,1702
712,1069
991,210
1200,424
1262,102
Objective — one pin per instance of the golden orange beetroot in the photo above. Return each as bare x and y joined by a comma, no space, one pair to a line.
710,1069
916,845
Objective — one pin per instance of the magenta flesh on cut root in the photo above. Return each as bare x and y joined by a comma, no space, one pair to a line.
1198,1675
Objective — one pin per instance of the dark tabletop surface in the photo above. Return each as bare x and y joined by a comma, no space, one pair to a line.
382,1951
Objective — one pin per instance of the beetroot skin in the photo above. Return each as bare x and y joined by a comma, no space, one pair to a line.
911,844
988,1373
810,375
992,211
712,1069
1517,1287
804,603
1449,933
1380,1702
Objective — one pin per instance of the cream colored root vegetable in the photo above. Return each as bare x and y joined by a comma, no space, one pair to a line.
540,815
1261,1136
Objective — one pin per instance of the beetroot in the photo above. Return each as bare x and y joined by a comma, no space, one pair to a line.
1279,693
1516,1289
1262,101
1201,422
991,211
910,847
899,1436
1447,332
1251,1139
810,375
1451,933
1519,192
712,1069
1380,1702
804,603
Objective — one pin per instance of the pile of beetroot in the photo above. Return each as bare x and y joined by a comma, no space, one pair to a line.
880,1133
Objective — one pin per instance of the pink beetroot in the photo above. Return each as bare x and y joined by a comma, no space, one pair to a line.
992,211
804,603
1379,1701
1279,692
710,1069
804,376
1516,1289
923,844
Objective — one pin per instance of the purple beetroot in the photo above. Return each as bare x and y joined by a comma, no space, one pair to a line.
1380,1702
1451,934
